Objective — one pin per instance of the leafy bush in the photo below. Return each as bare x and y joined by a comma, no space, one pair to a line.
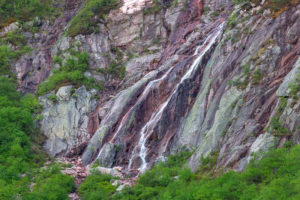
115,69
12,10
7,53
294,87
85,22
96,187
52,184
15,128
72,72
52,98
275,177
19,156
240,1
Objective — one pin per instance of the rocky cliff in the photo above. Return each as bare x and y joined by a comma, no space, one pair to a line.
207,76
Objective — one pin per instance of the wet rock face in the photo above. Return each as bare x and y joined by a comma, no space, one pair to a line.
65,120
225,107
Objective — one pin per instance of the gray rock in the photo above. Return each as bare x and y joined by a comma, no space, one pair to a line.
139,64
211,137
283,90
109,171
106,155
12,27
65,122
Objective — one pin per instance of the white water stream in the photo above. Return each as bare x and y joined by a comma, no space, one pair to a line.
207,44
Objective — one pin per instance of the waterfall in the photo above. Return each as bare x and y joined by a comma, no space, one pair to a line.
207,44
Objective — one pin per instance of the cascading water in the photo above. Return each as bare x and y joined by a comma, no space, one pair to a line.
150,118
145,131
151,84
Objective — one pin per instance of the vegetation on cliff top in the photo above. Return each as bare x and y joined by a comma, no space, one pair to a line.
14,10
85,22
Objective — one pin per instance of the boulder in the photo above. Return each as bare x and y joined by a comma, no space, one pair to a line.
65,121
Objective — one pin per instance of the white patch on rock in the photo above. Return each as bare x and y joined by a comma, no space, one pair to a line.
133,6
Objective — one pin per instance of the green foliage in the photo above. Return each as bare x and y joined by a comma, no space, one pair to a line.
72,72
240,1
96,187
51,184
257,76
276,126
7,54
208,163
85,22
19,156
275,177
115,69
53,98
155,8
277,5
14,38
215,13
24,10
246,69
206,10
57,60
232,20
15,128
294,87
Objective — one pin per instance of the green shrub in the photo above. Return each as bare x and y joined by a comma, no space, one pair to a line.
294,87
14,38
156,7
277,128
72,72
85,21
115,69
97,186
257,76
232,20
52,98
206,10
12,10
240,1
276,176
216,13
50,184
20,156
7,54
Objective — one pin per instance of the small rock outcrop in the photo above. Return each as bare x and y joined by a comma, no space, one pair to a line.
65,118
